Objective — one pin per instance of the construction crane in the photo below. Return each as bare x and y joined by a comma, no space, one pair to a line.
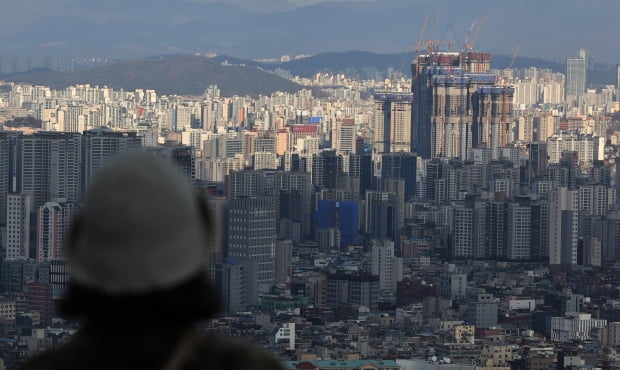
514,56
473,35
416,47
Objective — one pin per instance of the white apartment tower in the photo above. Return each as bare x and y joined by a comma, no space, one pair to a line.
18,207
382,263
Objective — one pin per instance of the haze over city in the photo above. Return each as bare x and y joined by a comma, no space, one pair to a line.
243,28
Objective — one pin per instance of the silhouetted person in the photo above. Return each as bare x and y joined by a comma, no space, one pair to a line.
137,256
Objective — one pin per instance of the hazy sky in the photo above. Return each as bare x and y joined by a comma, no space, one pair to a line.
268,28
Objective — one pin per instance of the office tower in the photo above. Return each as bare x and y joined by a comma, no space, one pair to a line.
576,69
443,85
538,160
294,198
382,216
50,166
53,220
7,156
396,187
392,122
326,167
231,282
252,240
361,166
492,117
563,226
435,180
401,166
19,207
102,144
518,232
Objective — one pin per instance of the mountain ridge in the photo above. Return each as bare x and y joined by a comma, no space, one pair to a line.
179,75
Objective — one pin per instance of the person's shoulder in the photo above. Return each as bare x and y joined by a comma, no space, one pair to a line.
225,353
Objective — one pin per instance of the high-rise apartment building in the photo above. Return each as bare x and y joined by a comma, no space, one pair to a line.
576,70
50,166
470,229
518,232
344,140
246,183
392,122
492,117
102,144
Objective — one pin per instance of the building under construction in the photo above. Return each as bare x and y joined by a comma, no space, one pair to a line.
492,117
444,86
392,122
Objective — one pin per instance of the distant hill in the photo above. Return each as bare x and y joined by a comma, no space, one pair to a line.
364,63
181,75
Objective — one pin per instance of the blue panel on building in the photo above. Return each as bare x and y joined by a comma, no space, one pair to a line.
339,214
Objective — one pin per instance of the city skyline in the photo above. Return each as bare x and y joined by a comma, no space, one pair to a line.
457,214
